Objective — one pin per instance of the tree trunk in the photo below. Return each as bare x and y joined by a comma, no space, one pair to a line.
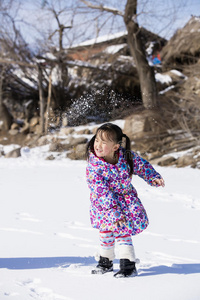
145,72
41,97
48,103
1,90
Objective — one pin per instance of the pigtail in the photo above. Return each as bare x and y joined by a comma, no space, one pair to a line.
90,147
128,155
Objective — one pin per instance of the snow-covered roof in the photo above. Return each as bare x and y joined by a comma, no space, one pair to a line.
101,39
114,48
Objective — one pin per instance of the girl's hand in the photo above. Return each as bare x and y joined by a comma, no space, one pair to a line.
158,182
120,222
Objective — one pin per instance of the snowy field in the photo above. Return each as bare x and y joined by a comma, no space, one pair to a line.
47,243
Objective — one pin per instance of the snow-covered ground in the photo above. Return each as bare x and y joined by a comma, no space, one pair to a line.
47,243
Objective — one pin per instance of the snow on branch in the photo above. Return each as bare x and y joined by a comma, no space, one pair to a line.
103,8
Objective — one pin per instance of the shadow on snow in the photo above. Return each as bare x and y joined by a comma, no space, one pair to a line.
25,263
173,269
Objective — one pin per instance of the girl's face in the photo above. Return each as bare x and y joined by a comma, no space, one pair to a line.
104,147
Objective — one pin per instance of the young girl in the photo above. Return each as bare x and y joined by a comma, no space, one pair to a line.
116,209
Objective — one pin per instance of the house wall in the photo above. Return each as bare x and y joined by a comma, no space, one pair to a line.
85,53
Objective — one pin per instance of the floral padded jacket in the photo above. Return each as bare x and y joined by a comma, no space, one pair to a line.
113,197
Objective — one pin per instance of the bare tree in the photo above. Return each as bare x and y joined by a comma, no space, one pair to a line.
60,30
57,19
145,71
15,55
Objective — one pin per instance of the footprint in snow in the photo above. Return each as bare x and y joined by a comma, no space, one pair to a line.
77,225
70,236
26,217
39,292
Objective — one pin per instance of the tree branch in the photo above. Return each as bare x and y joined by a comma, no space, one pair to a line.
15,62
103,8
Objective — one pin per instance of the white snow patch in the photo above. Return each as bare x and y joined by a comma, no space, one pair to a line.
114,49
49,55
19,73
167,89
163,78
178,73
150,48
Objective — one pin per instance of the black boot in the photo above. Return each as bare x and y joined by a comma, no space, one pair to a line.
104,265
127,268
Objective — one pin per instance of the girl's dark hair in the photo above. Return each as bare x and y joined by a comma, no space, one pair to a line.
113,133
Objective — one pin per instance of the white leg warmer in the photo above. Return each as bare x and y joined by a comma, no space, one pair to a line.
109,253
127,252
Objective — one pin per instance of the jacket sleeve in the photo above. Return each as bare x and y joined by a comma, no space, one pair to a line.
144,169
105,199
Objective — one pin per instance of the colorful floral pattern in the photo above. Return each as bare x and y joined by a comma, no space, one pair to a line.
113,197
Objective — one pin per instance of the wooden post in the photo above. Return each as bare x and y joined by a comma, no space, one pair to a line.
41,99
48,103
1,89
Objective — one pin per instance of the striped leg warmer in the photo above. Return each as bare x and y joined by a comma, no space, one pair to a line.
107,243
126,249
